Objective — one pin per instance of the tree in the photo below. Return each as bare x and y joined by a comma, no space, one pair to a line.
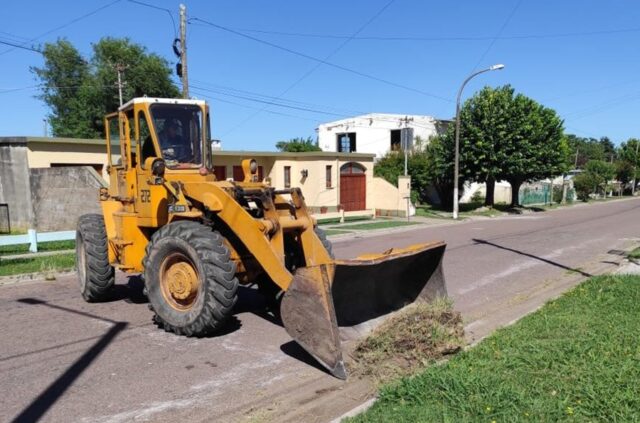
80,92
391,166
583,184
601,173
297,145
581,150
538,149
504,136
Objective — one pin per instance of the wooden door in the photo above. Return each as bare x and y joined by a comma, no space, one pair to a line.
353,187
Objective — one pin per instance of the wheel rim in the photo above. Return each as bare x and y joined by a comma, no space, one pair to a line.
81,264
179,281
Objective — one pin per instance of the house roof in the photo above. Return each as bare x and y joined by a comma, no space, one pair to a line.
245,153
384,117
56,140
138,100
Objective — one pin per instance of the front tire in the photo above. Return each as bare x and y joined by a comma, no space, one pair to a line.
190,279
95,275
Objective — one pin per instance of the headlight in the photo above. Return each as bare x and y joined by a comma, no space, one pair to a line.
158,167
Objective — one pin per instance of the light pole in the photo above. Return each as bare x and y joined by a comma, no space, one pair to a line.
457,152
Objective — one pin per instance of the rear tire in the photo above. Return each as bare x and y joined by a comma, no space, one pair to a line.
95,275
190,279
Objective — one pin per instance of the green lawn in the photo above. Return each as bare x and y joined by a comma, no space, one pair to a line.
335,220
42,246
329,232
576,359
635,254
58,262
383,224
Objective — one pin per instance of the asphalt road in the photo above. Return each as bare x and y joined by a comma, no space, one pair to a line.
63,360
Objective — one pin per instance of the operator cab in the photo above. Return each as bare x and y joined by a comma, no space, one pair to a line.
175,130
178,129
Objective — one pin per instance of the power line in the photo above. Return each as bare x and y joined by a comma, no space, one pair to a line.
173,22
208,96
498,34
318,64
448,38
21,46
71,22
273,103
224,90
315,59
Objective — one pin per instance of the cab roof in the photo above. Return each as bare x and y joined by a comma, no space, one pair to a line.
150,100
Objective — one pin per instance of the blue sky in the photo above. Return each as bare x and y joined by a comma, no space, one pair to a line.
578,57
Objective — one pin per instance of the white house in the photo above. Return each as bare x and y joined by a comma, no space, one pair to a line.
377,133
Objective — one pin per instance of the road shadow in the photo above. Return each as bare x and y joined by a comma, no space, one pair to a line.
542,259
132,292
47,398
251,300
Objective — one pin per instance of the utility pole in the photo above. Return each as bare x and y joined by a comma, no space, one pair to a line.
404,139
120,68
635,166
183,50
44,121
456,159
575,165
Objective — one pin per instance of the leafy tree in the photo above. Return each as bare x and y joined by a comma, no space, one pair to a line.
504,136
391,166
583,184
80,92
581,150
624,171
601,172
297,145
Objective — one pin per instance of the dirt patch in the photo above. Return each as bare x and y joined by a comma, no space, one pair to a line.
416,336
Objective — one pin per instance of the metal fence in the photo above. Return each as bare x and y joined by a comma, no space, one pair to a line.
33,238
543,194
538,194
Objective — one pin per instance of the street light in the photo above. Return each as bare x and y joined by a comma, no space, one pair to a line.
456,160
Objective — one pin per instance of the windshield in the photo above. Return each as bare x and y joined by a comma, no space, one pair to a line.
178,128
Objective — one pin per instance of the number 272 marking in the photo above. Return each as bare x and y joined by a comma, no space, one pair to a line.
145,196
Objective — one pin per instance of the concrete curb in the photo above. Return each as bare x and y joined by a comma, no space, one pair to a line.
33,277
355,411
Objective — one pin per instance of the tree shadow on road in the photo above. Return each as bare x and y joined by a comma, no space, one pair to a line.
542,259
47,398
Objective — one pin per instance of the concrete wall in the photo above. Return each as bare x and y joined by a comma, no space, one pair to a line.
389,200
42,154
61,195
14,182
502,193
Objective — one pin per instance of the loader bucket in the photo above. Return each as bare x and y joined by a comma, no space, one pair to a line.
346,299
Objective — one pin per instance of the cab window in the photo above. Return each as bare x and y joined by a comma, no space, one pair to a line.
179,132
144,137
113,134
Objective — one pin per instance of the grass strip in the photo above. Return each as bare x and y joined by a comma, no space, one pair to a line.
412,338
576,359
634,254
329,232
377,225
55,263
42,246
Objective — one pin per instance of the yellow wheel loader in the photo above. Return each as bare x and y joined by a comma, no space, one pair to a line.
195,239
